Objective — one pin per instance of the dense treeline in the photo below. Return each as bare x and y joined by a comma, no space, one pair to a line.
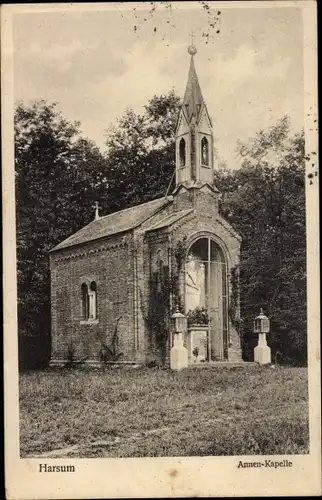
265,202
60,175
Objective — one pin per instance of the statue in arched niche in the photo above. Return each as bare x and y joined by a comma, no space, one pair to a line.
195,283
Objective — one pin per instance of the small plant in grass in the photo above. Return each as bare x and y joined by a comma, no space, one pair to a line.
152,364
110,354
72,360
206,346
70,353
278,357
195,352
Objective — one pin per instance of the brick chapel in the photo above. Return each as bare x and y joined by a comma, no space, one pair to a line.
118,280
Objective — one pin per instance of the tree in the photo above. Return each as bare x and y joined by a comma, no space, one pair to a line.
161,115
142,147
58,174
265,202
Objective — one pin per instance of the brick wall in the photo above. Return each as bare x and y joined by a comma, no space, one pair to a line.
203,200
155,243
110,265
204,221
184,200
121,266
144,253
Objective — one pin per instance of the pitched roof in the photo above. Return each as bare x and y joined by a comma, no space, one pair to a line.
170,219
117,222
193,100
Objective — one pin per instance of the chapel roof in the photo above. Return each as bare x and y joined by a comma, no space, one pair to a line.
169,220
117,222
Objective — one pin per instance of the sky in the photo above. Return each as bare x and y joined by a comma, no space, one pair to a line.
97,63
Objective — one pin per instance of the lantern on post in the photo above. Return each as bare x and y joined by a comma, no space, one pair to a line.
262,353
261,323
178,353
179,322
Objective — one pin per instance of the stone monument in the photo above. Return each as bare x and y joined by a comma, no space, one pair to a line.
262,353
178,353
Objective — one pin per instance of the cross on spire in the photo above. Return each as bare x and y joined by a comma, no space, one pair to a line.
192,49
97,207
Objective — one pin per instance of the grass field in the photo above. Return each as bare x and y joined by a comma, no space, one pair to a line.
152,412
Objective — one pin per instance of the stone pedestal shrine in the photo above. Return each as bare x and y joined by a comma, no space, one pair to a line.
262,353
178,353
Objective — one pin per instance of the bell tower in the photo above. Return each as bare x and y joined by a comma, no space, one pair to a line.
194,137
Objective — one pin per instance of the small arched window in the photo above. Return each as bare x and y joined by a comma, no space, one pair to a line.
204,151
182,152
89,301
84,293
92,300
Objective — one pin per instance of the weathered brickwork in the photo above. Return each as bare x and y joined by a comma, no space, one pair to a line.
144,254
206,221
109,264
156,247
121,266
234,349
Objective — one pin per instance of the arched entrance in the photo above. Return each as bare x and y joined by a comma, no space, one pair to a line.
206,295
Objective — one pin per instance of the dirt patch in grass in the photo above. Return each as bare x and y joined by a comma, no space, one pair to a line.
153,413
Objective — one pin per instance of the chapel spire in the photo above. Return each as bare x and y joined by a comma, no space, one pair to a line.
193,99
194,139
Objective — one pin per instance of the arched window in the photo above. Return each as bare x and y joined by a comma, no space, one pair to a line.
204,151
89,301
84,292
182,152
92,300
206,294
